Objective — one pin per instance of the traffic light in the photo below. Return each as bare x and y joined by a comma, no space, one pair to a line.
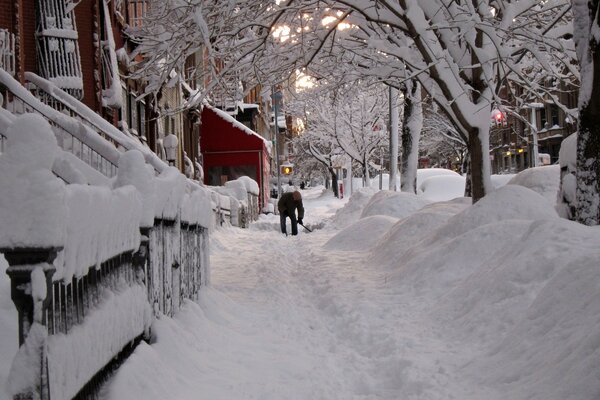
499,118
287,169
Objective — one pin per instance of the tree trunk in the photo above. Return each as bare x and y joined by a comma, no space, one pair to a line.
479,143
588,139
411,133
334,182
476,165
393,100
467,170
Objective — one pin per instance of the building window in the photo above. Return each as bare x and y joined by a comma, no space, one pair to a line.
543,118
554,115
125,108
136,11
133,113
142,119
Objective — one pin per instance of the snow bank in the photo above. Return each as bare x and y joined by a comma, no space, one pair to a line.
416,227
500,180
362,234
443,187
424,173
543,180
518,293
393,204
351,211
500,206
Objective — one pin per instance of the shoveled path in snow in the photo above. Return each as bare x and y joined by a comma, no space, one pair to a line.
284,319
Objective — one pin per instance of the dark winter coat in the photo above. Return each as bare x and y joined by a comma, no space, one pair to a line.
287,203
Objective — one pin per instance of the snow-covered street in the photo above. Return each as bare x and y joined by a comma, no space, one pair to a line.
297,318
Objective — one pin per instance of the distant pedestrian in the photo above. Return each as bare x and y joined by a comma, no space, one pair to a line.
302,185
287,205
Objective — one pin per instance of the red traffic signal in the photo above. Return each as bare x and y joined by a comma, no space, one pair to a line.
498,116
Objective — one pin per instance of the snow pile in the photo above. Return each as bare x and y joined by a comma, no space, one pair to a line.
351,211
362,234
500,206
415,228
424,173
393,204
443,187
501,180
32,199
517,293
543,180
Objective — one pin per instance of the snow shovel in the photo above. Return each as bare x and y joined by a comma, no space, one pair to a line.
304,227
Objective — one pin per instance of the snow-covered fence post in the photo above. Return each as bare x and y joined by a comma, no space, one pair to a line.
22,262
30,271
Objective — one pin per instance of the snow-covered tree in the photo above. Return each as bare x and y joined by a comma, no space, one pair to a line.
351,118
587,26
462,52
440,140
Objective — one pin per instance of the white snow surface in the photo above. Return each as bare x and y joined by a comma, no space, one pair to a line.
443,187
424,173
393,204
492,301
372,228
543,180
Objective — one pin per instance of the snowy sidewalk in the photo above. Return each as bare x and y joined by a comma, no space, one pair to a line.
284,319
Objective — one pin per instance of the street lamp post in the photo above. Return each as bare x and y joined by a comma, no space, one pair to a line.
276,97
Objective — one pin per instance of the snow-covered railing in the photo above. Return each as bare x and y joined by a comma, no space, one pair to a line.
89,264
95,149
7,52
236,202
90,119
